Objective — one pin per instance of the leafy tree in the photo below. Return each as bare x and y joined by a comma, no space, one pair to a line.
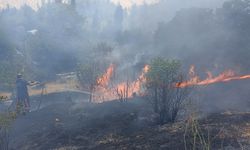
235,17
162,78
87,75
89,71
8,62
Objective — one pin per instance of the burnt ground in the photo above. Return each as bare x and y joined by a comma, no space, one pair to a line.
123,125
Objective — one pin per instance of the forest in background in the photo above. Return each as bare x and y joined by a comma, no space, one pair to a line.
57,37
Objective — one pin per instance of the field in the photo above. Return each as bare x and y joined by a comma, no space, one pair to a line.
75,124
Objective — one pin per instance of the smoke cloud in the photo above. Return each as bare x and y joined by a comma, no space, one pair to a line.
128,4
189,30
35,4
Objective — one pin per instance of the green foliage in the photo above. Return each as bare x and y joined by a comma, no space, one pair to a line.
88,75
221,36
41,54
167,99
5,122
6,119
99,59
163,72
195,137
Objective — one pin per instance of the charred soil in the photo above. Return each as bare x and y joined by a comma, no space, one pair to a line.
124,125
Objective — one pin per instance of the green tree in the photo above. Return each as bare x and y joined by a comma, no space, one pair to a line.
89,71
87,75
162,78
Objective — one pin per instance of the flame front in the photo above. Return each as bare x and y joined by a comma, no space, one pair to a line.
225,76
102,91
107,91
105,79
135,87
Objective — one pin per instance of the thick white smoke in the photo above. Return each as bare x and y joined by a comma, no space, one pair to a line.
35,4
128,4
125,4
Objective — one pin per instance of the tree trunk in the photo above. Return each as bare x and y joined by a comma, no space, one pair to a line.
127,88
163,112
91,93
156,108
174,114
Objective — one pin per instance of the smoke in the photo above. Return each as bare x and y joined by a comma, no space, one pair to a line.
128,4
35,4
195,31
52,39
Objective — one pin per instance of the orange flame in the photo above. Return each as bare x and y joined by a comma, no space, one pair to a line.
136,86
104,79
225,76
106,91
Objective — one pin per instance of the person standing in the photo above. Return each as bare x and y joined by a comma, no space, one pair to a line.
22,94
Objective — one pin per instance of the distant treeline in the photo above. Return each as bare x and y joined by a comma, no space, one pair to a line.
57,37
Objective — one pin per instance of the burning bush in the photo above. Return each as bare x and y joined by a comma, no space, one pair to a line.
161,79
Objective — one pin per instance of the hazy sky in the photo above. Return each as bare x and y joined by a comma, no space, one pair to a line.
197,3
19,3
129,3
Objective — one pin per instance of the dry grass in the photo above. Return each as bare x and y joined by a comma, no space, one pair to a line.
51,87
5,95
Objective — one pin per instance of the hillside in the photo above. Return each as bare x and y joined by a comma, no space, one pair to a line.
125,74
122,125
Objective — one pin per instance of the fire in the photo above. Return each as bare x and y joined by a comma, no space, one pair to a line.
107,91
195,80
103,91
105,79
136,86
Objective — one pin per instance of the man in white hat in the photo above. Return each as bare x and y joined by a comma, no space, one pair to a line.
22,91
